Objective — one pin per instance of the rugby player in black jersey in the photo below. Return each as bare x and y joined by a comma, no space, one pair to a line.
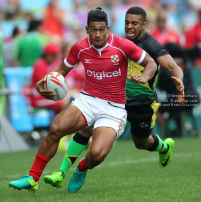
141,97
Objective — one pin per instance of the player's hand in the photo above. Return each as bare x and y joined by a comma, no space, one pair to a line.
179,84
48,94
138,79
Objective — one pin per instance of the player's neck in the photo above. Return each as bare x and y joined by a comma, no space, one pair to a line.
140,36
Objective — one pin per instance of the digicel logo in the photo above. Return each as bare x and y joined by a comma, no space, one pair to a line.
103,74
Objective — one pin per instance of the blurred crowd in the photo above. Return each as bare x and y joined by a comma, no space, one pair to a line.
40,33
61,22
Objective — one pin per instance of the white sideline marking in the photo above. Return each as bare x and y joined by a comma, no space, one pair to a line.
146,160
117,163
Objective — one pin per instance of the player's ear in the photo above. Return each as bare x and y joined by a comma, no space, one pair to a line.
108,29
144,25
87,29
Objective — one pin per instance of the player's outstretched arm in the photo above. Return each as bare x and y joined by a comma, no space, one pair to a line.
150,68
48,94
168,63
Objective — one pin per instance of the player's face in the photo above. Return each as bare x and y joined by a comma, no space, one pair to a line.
98,33
134,26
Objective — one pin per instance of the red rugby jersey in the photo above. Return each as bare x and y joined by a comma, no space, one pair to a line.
106,68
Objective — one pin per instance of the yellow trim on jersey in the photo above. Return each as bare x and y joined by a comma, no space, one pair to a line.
156,79
155,105
134,68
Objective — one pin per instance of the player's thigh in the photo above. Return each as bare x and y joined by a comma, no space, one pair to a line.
142,120
103,140
87,131
142,123
69,121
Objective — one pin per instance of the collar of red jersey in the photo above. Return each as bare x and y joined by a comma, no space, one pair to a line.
100,49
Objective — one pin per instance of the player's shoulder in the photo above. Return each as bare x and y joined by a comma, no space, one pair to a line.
152,46
147,37
118,41
118,38
149,42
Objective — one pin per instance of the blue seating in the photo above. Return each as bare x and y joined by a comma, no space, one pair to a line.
20,117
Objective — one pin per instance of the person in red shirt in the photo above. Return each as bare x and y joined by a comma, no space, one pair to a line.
41,69
102,101
193,37
163,34
53,19
76,78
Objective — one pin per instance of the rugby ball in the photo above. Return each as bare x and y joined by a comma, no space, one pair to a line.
56,82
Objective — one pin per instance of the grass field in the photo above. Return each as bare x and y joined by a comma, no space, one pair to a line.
127,174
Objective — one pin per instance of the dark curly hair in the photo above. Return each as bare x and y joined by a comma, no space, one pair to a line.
97,15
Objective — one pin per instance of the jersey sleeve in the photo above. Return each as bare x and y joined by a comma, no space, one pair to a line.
72,59
132,51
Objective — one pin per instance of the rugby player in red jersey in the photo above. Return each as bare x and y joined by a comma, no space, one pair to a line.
141,105
101,103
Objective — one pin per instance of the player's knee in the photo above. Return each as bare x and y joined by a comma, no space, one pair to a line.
98,155
54,133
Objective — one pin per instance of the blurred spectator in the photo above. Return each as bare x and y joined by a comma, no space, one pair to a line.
76,78
41,69
147,3
75,21
162,33
91,4
181,56
193,36
53,20
186,13
29,47
8,47
11,9
27,16
75,32
2,15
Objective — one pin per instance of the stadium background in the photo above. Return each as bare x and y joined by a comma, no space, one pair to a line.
20,121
